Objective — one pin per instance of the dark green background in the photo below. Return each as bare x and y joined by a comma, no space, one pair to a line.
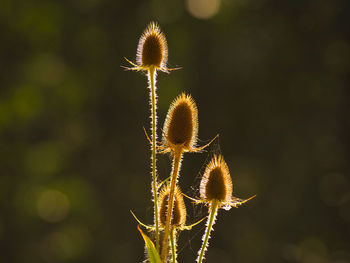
272,77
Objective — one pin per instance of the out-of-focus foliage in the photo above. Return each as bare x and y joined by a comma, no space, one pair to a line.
272,77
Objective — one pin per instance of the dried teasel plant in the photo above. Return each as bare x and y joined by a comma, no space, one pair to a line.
180,133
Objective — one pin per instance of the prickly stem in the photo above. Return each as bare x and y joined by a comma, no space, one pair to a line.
177,155
152,80
210,223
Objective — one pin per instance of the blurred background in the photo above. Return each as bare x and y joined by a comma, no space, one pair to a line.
271,77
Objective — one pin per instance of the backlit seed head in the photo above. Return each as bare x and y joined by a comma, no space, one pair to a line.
152,49
181,123
216,182
179,212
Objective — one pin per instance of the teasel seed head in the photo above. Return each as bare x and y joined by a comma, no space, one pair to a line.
216,182
216,192
152,49
179,209
181,123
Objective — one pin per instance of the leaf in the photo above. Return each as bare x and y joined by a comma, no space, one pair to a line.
151,249
142,224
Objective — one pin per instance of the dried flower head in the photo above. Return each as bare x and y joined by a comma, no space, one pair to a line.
152,50
179,209
216,182
216,185
181,123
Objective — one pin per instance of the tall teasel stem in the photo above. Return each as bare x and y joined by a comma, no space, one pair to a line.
177,156
152,80
211,220
152,55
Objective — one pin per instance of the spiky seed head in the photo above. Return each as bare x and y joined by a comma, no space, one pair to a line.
181,123
179,208
216,182
152,49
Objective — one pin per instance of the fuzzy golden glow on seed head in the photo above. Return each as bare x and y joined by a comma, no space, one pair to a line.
152,49
181,123
216,182
179,209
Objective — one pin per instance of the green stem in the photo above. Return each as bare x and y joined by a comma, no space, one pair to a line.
176,167
152,80
210,223
173,242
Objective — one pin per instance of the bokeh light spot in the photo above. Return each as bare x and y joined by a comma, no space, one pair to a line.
46,69
45,159
203,9
52,205
68,243
333,189
312,250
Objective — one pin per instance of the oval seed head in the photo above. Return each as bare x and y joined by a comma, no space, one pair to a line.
152,49
181,123
216,182
179,212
